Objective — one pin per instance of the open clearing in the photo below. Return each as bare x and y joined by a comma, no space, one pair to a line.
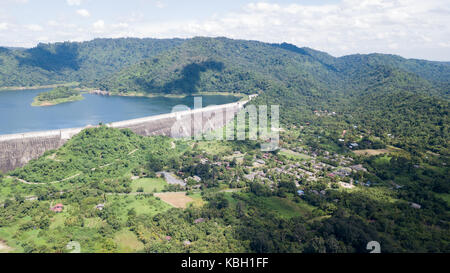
346,185
141,204
4,248
149,185
127,241
388,149
176,199
198,200
370,152
294,155
286,208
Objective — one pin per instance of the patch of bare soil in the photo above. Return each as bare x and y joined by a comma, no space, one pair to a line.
176,199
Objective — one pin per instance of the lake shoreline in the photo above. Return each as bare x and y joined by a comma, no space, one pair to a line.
155,95
96,91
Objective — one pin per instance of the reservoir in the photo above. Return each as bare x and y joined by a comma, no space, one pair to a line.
18,116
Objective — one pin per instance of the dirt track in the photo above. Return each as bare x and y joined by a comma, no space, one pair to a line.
4,247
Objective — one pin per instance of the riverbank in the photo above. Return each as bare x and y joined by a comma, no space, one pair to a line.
37,102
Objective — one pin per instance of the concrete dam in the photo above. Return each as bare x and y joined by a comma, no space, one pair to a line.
17,149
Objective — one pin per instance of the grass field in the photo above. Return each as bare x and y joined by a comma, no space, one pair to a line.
57,221
214,147
283,207
127,241
7,237
198,201
95,222
141,204
150,185
294,155
286,208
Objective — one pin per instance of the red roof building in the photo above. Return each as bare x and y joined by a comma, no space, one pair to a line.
58,208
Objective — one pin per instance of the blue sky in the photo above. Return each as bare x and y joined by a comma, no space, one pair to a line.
410,28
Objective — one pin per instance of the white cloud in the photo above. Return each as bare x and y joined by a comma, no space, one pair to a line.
99,25
74,2
411,28
160,4
34,27
120,25
52,23
83,12
3,26
19,1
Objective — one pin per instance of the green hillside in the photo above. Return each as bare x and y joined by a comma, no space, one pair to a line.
74,61
363,89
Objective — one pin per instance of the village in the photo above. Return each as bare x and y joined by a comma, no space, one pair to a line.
299,165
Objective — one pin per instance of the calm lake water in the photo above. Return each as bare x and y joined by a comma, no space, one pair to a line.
18,116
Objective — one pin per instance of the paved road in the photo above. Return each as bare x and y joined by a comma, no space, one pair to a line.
171,179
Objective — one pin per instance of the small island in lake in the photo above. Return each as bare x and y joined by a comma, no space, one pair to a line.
60,94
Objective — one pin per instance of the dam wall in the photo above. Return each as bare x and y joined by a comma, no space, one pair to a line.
17,149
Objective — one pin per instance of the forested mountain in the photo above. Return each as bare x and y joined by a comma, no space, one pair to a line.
366,89
81,62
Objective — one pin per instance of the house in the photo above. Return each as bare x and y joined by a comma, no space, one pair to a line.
343,172
251,176
57,208
358,167
415,206
300,192
199,220
100,206
196,178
